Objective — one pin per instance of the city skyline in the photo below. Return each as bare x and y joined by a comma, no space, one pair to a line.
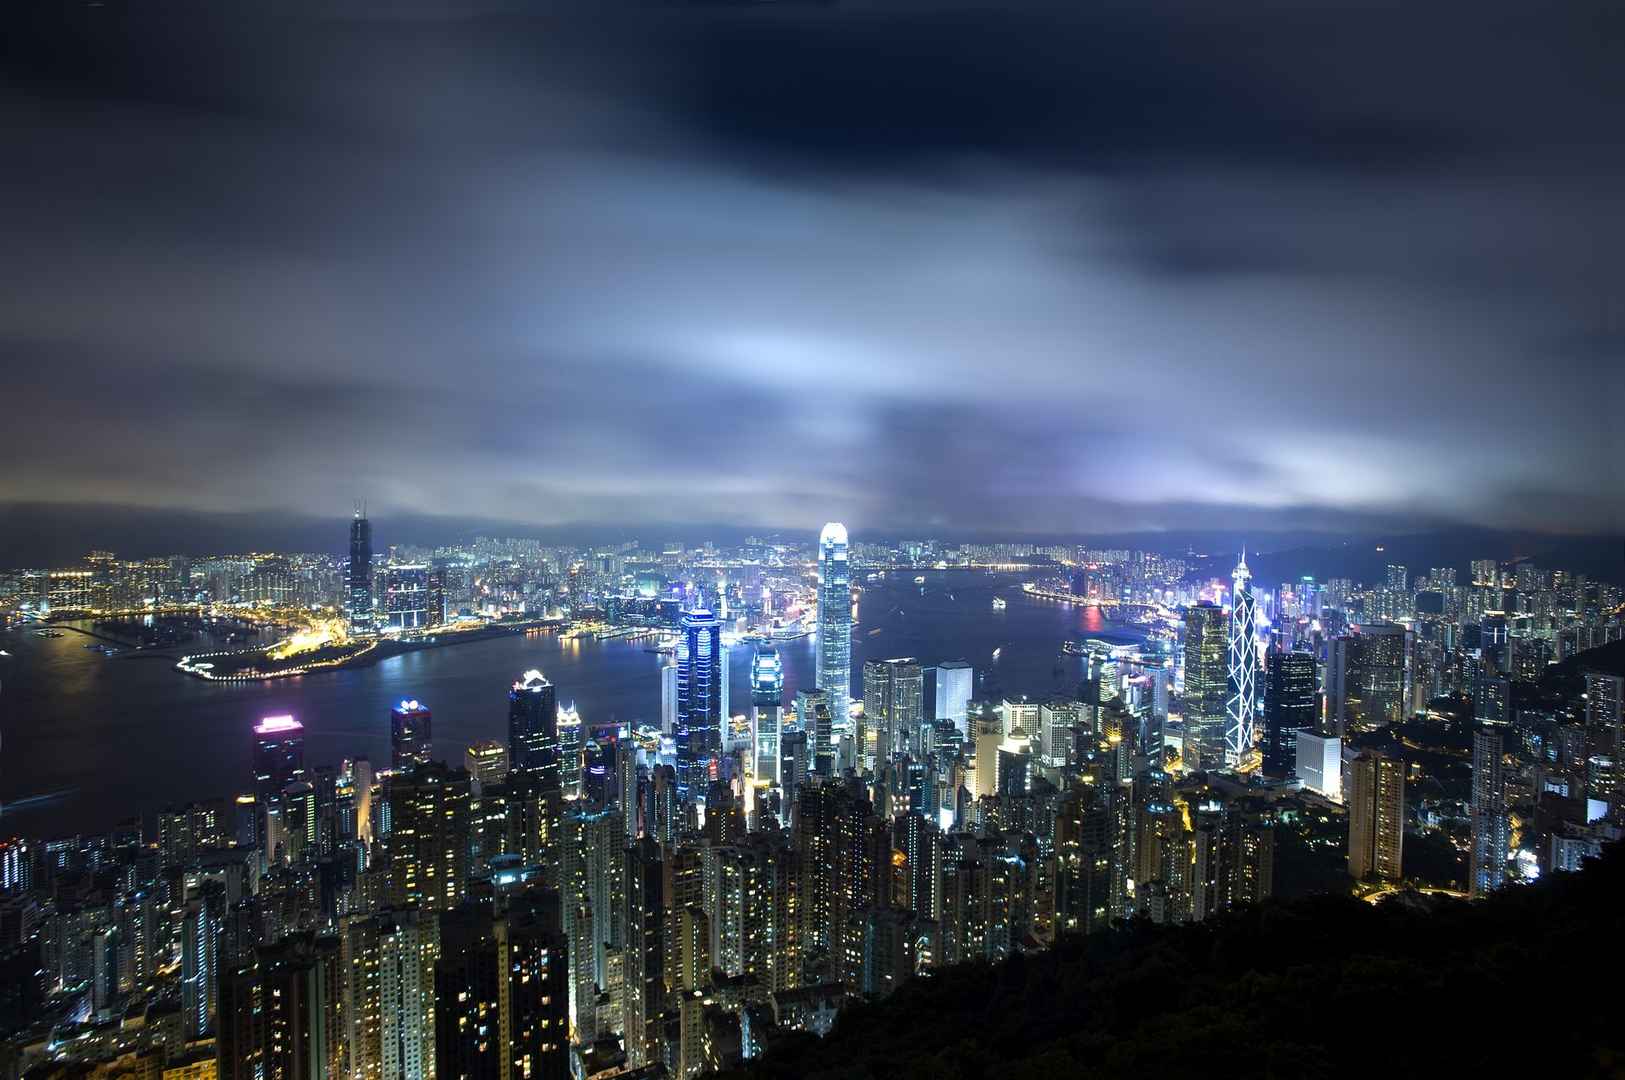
743,540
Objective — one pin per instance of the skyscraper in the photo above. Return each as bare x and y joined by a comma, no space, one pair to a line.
1206,682
1241,705
1490,828
893,705
487,762
835,623
409,735
426,851
1376,801
406,597
668,698
279,755
358,581
954,678
1366,678
699,701
767,712
533,730
1289,707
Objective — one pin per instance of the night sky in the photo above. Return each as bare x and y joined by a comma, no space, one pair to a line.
1094,267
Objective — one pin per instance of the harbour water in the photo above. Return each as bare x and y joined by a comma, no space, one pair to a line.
87,739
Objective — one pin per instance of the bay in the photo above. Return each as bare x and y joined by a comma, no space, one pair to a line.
87,740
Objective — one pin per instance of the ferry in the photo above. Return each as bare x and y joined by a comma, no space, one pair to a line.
996,653
920,580
999,603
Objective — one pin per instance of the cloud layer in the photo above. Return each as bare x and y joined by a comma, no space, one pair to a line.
1144,267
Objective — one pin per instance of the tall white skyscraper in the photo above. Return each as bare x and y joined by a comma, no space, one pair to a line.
954,678
835,623
668,698
1241,709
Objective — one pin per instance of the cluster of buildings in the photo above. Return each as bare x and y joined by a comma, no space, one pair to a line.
604,901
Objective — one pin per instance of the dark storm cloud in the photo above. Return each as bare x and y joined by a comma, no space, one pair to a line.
1135,267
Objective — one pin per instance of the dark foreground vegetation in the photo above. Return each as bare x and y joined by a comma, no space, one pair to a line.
1523,984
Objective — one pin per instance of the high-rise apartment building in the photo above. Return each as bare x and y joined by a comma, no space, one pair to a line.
1490,827
426,851
1376,802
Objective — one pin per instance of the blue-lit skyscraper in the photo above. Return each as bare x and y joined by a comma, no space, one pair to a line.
1241,708
766,711
699,701
358,580
835,623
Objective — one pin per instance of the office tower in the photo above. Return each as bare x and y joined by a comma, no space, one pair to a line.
1486,572
533,731
698,732
1241,705
817,723
1207,681
1490,827
834,675
358,580
767,712
1059,721
795,763
1289,707
426,851
668,698
202,920
954,679
1376,801
487,762
987,733
389,963
407,597
571,749
1320,763
905,705
409,735
279,754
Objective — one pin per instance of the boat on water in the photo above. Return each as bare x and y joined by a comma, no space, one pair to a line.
920,580
999,603
875,631
996,653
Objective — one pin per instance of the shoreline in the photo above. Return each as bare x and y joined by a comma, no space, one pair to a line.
382,649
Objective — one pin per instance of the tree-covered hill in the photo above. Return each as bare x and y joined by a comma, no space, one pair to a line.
1523,984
